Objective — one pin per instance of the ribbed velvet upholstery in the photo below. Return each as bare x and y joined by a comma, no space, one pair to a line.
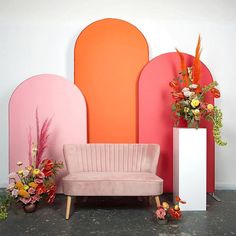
111,157
112,169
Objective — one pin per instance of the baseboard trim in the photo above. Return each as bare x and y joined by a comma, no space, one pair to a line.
225,186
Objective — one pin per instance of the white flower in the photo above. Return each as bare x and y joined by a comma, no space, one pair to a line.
19,163
25,173
193,86
14,193
12,175
185,89
11,186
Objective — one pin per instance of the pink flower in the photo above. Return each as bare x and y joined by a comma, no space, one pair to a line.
35,198
31,191
41,175
38,181
161,213
12,175
14,193
25,200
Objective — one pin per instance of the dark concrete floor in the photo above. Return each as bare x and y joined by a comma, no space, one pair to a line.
121,216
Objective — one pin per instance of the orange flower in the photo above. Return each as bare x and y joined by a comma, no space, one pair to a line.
178,96
23,193
215,92
19,185
174,84
33,185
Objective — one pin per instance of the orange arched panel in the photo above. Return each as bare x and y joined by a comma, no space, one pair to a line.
109,56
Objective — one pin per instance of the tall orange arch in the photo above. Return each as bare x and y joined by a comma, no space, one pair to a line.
109,55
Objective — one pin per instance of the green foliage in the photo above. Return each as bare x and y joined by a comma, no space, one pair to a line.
208,87
5,201
217,124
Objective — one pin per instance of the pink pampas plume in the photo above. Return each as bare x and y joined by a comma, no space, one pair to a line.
42,138
30,147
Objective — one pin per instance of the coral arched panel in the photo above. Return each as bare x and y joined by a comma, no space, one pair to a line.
56,98
109,56
155,122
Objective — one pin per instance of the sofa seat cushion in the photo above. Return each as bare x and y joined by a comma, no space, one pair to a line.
112,184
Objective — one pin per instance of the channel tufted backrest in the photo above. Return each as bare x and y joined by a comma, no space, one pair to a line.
111,157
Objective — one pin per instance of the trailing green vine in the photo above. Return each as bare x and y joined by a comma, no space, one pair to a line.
217,125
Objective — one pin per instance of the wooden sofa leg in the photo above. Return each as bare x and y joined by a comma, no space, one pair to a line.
158,202
68,205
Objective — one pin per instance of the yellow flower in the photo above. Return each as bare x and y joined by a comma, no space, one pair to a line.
176,207
186,109
165,205
20,172
23,193
26,187
36,171
210,107
33,185
19,185
195,103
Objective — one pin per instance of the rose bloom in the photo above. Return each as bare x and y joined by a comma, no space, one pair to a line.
11,186
14,193
48,164
161,213
25,173
12,175
19,163
210,107
41,175
38,181
25,200
35,198
31,191
195,103
36,171
47,173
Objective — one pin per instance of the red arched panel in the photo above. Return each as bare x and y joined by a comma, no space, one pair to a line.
155,122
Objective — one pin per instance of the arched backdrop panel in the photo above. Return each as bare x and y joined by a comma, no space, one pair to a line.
56,98
109,56
155,122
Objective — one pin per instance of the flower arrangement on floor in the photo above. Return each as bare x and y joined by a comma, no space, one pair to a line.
165,212
189,97
36,181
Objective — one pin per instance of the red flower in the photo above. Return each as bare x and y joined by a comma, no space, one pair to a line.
40,189
177,96
215,92
175,214
47,173
48,164
174,84
51,193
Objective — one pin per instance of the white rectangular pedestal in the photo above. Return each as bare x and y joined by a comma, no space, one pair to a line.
189,167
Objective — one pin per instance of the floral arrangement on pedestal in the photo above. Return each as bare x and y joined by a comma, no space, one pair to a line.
164,213
189,97
35,181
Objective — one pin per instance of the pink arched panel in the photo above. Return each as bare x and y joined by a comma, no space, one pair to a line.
155,122
56,98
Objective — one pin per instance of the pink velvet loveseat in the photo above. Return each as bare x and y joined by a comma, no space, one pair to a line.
111,170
